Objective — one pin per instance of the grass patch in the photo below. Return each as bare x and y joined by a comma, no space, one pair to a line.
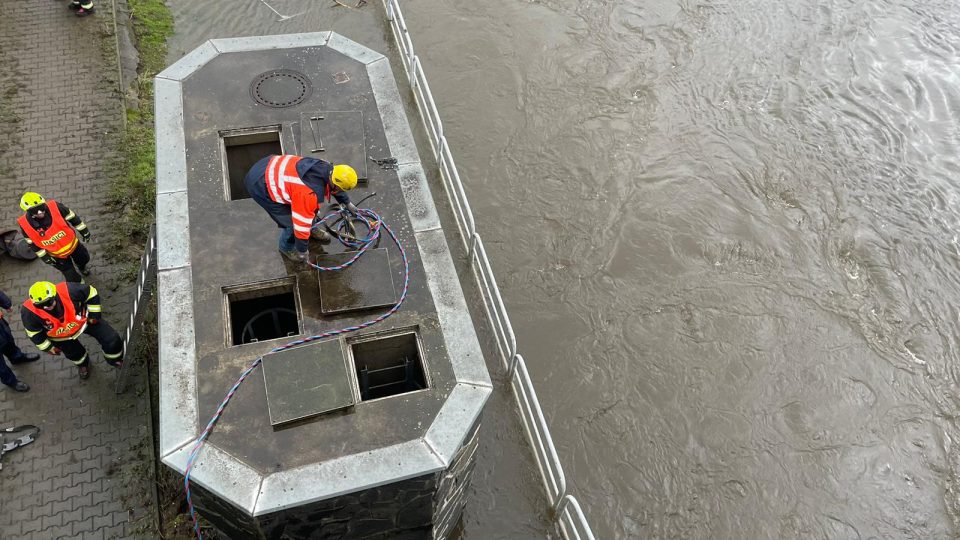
132,199
133,192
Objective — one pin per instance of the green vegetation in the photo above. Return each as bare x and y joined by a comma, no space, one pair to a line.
133,191
132,199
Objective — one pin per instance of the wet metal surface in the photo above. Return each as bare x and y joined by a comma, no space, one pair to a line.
335,136
522,508
361,446
234,242
307,381
365,284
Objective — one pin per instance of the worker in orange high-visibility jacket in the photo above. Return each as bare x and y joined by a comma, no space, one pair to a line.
290,189
82,8
55,316
51,229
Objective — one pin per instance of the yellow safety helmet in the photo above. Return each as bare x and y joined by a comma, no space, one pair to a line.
42,291
31,200
344,177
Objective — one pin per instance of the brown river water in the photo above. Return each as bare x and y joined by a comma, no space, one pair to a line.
726,233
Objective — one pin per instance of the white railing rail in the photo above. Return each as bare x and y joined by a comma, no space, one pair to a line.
566,509
144,289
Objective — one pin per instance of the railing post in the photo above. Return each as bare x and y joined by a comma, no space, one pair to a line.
561,504
512,365
413,71
472,247
390,15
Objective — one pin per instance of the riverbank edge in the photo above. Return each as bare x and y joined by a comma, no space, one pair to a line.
149,23
141,35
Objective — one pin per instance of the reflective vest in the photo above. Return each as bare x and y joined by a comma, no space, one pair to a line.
59,240
285,186
281,176
72,324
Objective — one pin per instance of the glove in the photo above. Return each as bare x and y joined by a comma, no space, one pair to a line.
85,234
91,320
352,208
53,351
48,259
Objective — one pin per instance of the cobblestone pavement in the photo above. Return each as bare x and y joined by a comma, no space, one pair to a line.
89,474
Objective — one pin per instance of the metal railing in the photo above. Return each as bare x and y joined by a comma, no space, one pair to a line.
145,281
566,509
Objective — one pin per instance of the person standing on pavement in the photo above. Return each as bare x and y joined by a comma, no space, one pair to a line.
55,316
289,188
9,349
82,8
51,229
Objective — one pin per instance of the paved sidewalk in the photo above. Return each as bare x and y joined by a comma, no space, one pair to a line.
89,474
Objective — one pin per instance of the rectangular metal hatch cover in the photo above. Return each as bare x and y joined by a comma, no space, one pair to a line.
307,381
365,284
335,136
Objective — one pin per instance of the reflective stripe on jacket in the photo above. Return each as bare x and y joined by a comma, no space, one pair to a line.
60,240
72,324
284,186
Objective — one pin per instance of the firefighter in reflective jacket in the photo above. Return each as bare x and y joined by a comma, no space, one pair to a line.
51,229
55,315
290,188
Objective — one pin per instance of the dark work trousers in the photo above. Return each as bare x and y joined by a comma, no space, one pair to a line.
280,213
68,265
9,349
106,336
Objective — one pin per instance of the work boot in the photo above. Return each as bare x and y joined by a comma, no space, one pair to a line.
84,270
83,12
84,371
293,256
74,6
24,358
21,386
320,235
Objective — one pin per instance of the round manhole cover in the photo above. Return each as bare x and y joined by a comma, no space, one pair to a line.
280,88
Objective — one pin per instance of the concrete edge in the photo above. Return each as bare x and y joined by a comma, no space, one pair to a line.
220,473
279,41
223,474
462,408
173,230
459,333
179,419
170,144
189,63
396,125
419,201
322,481
352,49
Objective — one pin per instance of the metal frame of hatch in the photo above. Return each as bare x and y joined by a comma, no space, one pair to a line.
386,334
232,290
252,132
